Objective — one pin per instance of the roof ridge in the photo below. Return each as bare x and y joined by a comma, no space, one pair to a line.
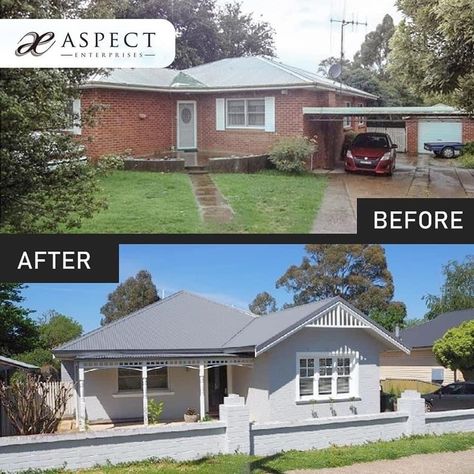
197,295
304,304
284,67
117,321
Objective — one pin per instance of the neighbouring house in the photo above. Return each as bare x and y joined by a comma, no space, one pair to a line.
235,105
8,366
189,352
421,364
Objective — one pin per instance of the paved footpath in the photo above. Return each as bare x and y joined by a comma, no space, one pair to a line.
460,462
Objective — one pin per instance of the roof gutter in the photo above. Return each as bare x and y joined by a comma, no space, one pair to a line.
112,85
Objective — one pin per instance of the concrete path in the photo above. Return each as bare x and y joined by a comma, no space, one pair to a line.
460,462
212,205
415,177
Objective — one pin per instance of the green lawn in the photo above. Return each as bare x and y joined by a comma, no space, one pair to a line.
271,202
317,459
147,202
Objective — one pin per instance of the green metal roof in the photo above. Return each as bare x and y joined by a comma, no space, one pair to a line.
404,111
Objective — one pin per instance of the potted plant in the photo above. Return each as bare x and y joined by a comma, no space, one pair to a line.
190,415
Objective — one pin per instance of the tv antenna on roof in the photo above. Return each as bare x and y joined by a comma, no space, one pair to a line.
343,24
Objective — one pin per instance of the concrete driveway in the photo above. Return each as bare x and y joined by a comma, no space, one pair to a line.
460,462
421,176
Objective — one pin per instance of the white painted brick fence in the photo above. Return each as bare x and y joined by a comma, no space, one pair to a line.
233,433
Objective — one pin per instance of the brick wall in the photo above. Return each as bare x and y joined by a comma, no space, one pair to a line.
128,120
234,433
145,122
468,130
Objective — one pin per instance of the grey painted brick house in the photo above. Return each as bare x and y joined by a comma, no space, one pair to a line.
190,352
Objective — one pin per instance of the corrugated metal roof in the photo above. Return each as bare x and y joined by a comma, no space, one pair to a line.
185,324
181,321
6,361
271,326
413,111
233,73
427,333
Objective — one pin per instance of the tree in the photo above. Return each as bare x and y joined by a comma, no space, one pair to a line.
131,295
358,273
368,71
455,349
263,303
56,329
44,184
433,51
18,331
204,32
390,317
457,291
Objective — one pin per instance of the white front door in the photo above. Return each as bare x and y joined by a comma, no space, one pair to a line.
186,125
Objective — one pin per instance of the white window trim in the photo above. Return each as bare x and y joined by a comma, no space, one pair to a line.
244,127
347,121
76,110
353,377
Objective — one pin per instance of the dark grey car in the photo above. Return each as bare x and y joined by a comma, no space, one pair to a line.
455,396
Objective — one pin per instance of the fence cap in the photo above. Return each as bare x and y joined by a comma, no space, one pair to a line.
412,394
234,399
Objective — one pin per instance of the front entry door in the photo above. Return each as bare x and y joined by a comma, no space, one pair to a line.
186,125
217,387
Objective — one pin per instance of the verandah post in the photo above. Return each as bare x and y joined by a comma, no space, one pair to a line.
202,400
145,393
82,400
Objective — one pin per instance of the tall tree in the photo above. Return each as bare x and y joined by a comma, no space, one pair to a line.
204,32
457,291
263,303
131,295
368,71
56,329
455,349
358,273
44,185
393,315
18,331
433,49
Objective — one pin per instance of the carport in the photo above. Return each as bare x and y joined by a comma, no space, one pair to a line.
438,122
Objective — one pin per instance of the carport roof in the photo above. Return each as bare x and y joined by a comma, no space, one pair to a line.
435,110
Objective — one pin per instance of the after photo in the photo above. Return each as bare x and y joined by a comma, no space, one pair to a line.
229,353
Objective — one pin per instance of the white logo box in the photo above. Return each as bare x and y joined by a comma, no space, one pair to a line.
47,43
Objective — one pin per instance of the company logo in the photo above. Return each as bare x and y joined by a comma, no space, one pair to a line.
33,46
86,43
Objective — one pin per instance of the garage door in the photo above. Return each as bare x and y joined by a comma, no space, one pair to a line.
438,131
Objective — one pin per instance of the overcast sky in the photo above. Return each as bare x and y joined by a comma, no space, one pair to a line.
304,35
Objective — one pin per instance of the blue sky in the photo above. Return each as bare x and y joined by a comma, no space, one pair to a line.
234,274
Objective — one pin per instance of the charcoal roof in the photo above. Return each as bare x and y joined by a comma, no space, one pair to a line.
185,324
427,333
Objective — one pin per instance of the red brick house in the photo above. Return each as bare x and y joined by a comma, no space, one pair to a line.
237,105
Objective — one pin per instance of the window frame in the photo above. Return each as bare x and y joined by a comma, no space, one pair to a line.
139,375
334,356
75,129
246,125
347,121
361,119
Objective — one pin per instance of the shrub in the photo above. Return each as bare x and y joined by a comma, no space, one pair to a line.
290,154
155,409
190,412
467,160
348,139
468,148
108,163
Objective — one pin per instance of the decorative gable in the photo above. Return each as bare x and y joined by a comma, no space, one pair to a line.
338,316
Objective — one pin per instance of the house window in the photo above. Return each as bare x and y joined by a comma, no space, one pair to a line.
323,376
361,119
306,377
245,113
130,379
73,116
347,122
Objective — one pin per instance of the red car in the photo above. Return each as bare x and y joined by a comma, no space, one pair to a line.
372,152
